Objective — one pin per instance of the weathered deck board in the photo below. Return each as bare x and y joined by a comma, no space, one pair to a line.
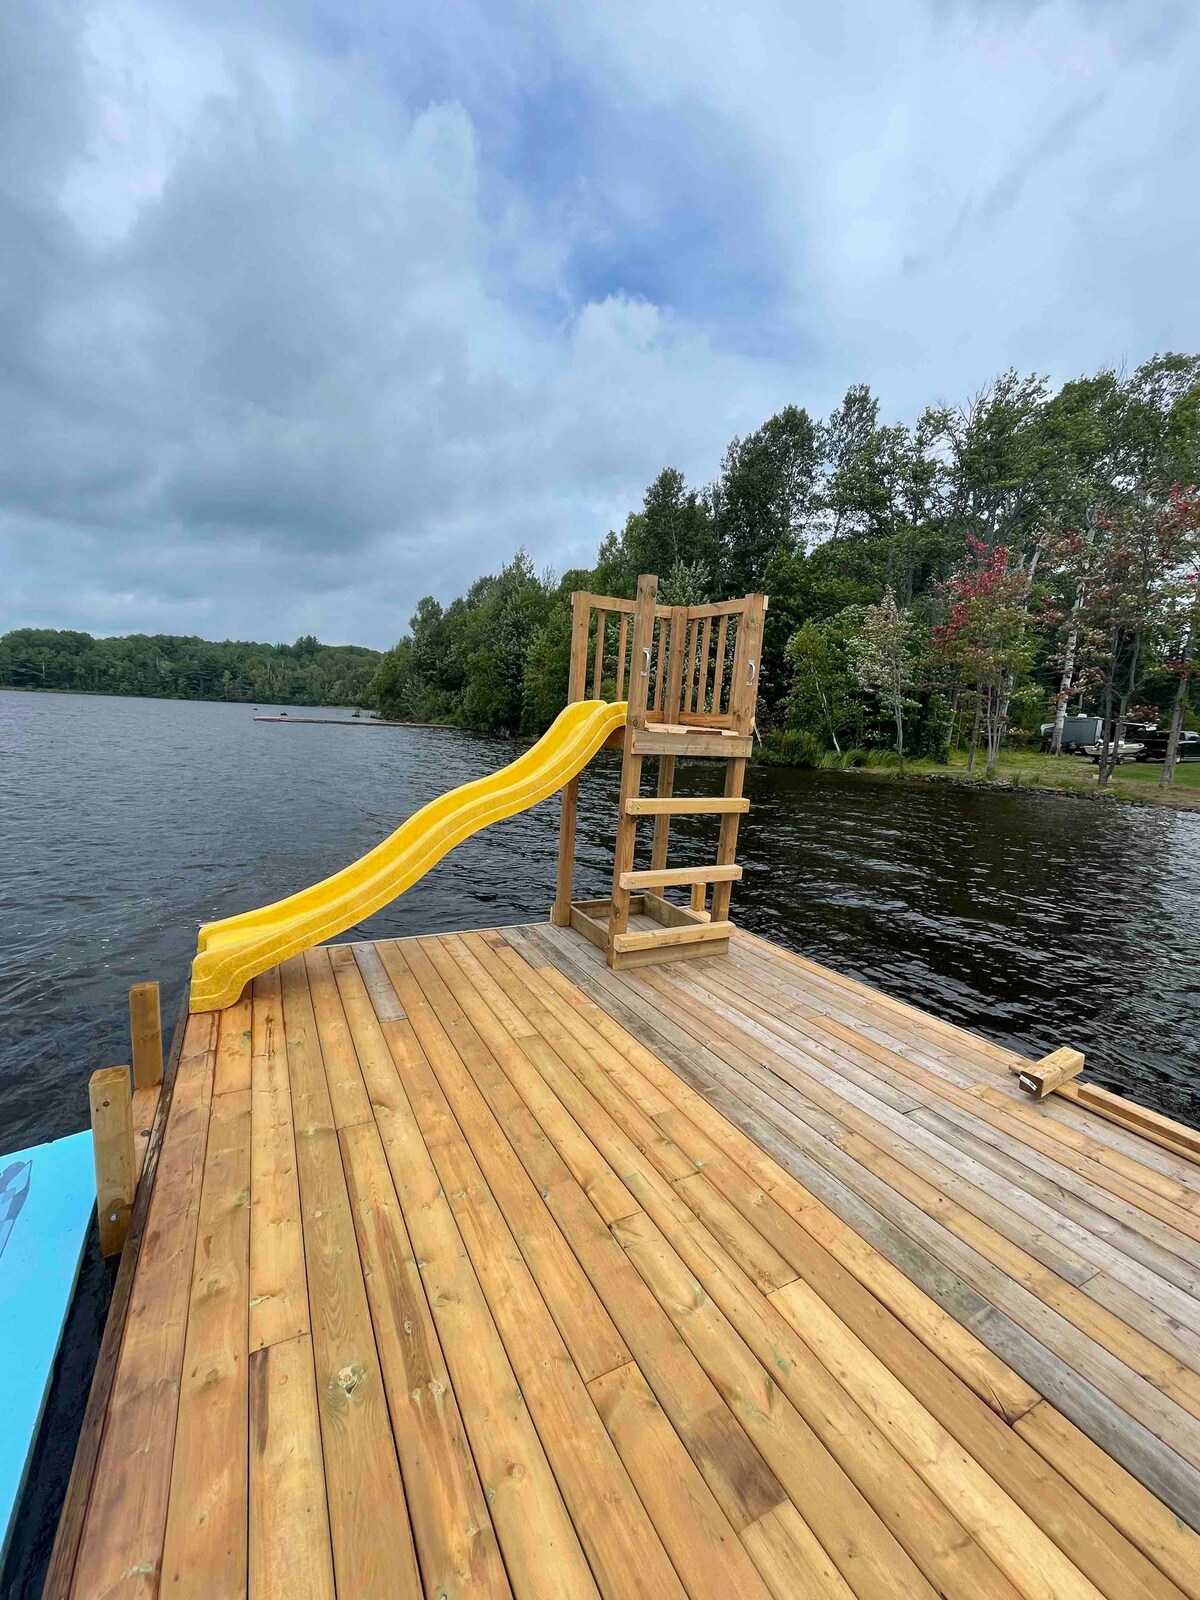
474,1268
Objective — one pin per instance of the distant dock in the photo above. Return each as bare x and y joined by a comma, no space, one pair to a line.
351,722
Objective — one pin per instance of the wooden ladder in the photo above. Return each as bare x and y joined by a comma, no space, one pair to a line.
692,676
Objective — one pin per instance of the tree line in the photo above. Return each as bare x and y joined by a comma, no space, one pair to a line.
164,666
982,570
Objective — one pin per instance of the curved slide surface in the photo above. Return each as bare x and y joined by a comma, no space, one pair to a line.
231,952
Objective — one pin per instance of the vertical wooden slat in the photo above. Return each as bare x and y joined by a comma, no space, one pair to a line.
598,667
145,1035
673,701
622,652
735,772
702,684
631,766
719,665
110,1097
688,660
656,652
560,913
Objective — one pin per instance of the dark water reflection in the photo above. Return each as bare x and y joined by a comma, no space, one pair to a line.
125,823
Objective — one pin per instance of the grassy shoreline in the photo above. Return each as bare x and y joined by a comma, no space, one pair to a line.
1031,771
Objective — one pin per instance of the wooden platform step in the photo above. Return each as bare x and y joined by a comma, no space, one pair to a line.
650,940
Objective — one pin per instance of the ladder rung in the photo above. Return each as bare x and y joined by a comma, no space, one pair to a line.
652,939
651,806
665,877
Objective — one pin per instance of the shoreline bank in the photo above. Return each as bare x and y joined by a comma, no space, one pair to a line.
1145,794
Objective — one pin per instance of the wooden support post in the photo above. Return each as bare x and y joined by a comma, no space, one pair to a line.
111,1099
735,774
631,764
1042,1077
743,697
662,823
145,1035
674,633
560,914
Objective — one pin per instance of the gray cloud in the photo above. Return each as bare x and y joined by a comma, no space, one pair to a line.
282,348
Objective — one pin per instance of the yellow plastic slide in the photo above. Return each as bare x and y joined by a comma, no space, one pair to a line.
231,952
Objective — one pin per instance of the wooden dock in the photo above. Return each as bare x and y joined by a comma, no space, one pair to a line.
465,1266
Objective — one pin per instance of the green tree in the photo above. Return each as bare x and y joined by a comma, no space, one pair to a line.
884,655
765,498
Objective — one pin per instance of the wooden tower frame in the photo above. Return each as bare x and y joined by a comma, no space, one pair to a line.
690,676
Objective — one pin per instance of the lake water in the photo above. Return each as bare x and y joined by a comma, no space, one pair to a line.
1037,920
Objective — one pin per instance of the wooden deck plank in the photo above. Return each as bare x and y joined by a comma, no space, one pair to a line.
456,1052
1089,1540
1173,1547
861,1546
456,1543
845,1003
868,1460
542,1554
927,1519
622,1547
743,1485
710,1559
232,1070
996,1383
1036,1301
998,1222
278,1286
347,1093
65,1549
361,1470
205,1550
120,1553
289,1556
1170,1477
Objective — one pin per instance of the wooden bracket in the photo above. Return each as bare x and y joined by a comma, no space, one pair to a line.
1041,1078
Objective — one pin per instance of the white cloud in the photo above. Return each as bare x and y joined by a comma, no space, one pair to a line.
286,342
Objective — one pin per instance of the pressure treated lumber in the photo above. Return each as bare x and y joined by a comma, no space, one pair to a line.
698,933
467,1264
669,877
145,1035
683,806
1050,1073
111,1103
1164,1131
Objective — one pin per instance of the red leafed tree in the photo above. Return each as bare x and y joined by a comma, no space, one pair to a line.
1138,582
984,643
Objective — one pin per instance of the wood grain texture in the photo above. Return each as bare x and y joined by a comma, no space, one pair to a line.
467,1265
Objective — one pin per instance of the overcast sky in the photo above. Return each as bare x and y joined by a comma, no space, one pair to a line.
312,307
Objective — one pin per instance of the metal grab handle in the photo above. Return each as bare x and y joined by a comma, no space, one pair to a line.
753,671
646,669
